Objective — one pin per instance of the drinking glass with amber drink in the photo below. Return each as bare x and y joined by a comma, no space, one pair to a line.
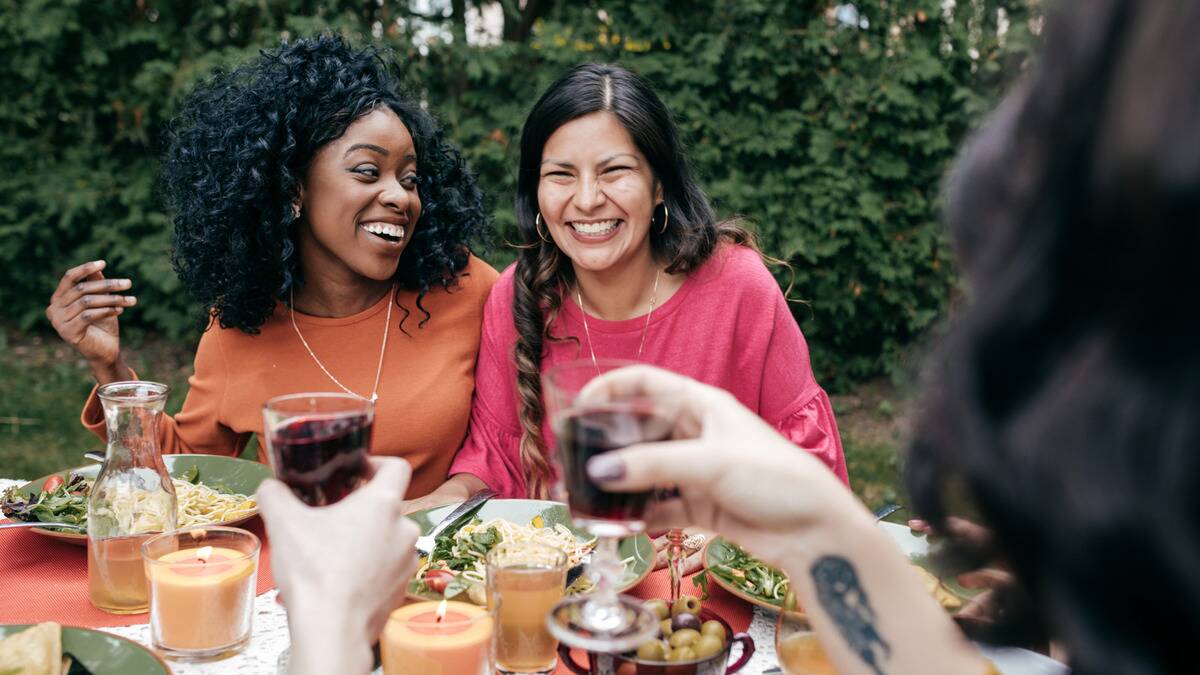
796,644
524,583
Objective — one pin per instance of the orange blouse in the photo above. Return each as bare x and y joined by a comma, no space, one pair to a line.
424,392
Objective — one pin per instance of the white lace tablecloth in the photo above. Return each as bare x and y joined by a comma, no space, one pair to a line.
270,639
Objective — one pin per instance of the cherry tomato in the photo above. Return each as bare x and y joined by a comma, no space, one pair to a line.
52,483
437,580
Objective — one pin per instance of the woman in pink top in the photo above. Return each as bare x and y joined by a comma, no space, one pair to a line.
624,258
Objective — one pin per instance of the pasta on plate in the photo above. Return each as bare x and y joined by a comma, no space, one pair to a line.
199,504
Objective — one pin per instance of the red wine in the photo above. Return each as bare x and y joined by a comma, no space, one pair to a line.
587,433
322,459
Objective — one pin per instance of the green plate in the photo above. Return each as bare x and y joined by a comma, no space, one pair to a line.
224,474
522,511
103,653
718,550
913,545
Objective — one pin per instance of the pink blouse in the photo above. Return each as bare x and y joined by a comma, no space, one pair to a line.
728,325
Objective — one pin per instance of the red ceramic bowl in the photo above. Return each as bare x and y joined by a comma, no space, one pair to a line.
631,665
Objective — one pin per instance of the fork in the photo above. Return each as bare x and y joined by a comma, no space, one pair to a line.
425,542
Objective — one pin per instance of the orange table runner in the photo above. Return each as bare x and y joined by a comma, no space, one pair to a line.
45,579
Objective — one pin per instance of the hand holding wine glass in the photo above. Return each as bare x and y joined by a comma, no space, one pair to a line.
734,473
603,621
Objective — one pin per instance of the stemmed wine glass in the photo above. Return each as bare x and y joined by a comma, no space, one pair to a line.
602,621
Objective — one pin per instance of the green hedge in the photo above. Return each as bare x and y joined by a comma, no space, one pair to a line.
832,138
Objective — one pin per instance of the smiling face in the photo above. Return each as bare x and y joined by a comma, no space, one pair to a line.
359,202
597,194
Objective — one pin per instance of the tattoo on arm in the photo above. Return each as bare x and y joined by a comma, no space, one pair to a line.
843,598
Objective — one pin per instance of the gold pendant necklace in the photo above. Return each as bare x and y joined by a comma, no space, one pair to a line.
382,348
645,327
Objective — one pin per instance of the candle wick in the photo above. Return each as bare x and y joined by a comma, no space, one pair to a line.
203,554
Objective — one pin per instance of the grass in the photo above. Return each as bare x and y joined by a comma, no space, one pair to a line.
46,383
872,420
45,386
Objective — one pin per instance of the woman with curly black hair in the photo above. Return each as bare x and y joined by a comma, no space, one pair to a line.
326,224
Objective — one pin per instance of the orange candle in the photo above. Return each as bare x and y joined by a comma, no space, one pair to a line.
430,638
202,598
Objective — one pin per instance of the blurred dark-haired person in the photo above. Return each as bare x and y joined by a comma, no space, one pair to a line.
327,225
622,257
1063,413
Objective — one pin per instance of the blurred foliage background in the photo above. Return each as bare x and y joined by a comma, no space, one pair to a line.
828,125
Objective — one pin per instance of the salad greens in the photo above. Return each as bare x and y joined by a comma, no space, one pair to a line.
66,503
750,575
457,555
469,550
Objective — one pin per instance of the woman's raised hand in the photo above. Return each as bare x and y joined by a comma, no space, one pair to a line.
734,473
84,311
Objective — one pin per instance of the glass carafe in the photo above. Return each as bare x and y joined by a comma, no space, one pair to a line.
132,498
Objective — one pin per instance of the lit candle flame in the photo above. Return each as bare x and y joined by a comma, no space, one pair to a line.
441,610
204,553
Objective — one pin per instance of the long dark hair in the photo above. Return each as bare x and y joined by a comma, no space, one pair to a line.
1067,399
241,146
543,272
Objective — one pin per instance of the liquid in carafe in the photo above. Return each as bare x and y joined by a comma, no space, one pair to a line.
116,575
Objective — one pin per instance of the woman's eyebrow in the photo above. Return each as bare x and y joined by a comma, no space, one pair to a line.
616,155
368,146
607,160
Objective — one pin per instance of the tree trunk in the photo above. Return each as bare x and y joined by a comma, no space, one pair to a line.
518,28
458,20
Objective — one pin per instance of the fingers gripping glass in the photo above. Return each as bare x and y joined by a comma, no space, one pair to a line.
585,428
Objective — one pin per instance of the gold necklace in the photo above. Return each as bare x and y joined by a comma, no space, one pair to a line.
382,348
645,327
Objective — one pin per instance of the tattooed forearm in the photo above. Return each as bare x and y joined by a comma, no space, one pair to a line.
843,598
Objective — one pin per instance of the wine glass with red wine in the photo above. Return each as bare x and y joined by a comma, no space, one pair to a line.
318,443
602,621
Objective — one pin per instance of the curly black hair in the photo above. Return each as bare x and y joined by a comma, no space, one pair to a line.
238,153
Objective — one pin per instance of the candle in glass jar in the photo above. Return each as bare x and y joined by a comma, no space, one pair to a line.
430,638
201,597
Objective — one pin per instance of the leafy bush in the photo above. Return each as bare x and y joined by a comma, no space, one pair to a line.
829,126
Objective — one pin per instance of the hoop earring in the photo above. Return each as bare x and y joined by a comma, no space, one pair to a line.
537,225
666,218
295,211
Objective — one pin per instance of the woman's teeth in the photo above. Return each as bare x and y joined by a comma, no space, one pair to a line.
595,228
385,230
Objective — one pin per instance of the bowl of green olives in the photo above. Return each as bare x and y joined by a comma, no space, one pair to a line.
692,640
